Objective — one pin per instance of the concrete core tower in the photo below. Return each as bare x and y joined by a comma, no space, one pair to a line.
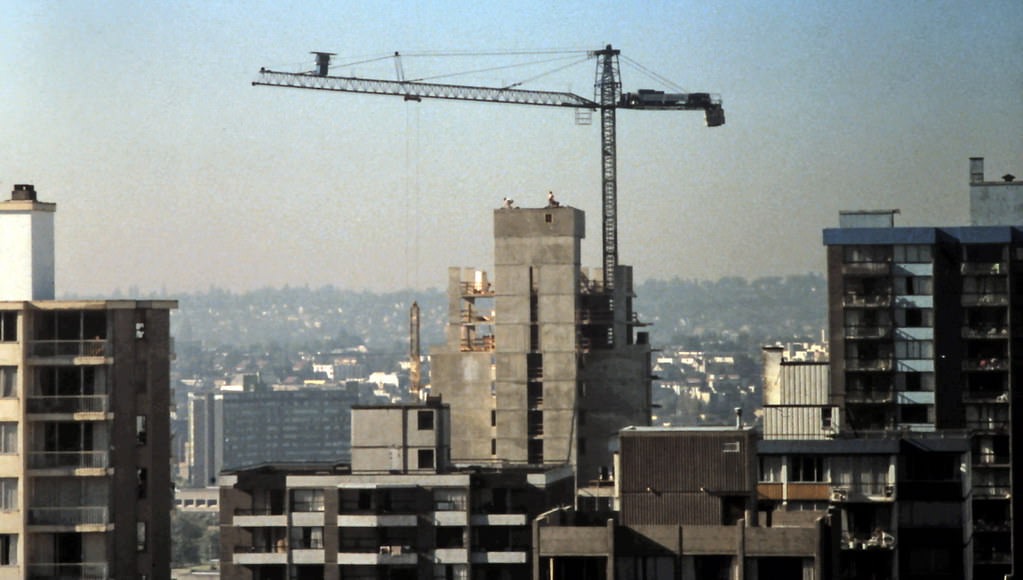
544,366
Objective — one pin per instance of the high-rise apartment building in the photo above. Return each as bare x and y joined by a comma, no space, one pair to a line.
926,328
84,418
544,365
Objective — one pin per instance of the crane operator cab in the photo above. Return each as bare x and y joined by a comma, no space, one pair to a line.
651,99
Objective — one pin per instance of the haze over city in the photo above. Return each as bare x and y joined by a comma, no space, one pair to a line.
173,173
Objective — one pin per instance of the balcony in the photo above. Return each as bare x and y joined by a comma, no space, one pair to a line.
72,348
986,396
992,491
388,555
870,396
985,364
869,364
277,554
986,299
68,405
472,289
68,459
68,516
858,492
877,540
867,268
875,332
985,332
81,570
867,300
984,268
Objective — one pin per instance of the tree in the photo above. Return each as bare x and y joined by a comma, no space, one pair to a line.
195,538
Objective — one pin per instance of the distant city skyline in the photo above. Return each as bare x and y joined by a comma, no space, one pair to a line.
171,171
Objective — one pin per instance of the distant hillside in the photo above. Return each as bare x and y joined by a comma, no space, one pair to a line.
776,308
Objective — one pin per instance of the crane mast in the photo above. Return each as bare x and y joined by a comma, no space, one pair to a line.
608,98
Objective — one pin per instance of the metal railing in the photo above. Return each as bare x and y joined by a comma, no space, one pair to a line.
93,347
868,331
68,515
80,571
67,459
869,396
985,364
996,268
869,364
69,404
985,332
867,300
985,299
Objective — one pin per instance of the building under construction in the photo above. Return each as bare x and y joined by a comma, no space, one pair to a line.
543,365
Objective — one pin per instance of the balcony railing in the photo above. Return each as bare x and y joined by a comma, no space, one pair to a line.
80,571
260,511
868,331
869,396
68,516
985,332
94,347
985,364
867,300
67,459
994,491
867,268
985,299
991,424
868,364
73,404
984,268
986,395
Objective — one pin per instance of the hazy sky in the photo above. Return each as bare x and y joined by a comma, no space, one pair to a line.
171,171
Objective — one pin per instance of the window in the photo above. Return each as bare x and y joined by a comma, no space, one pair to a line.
914,285
493,418
731,447
8,549
425,420
913,254
806,469
914,349
913,413
140,429
914,317
8,382
8,438
854,254
493,446
425,458
770,469
307,538
140,536
8,326
142,480
307,500
8,494
827,418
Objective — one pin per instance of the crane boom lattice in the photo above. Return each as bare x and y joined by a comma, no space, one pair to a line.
608,98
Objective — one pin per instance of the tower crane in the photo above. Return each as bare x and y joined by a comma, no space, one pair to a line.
608,98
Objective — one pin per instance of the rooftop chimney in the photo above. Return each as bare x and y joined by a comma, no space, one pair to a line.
976,169
26,246
23,192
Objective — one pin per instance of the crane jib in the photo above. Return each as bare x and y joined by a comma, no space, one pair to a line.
421,90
